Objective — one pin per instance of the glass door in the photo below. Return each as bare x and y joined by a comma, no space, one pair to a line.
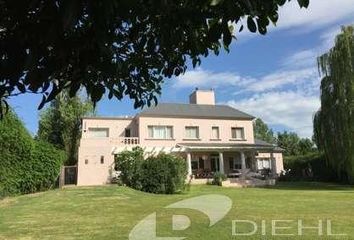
214,161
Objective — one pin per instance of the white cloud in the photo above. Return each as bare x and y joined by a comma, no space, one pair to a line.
303,58
281,79
277,80
205,78
291,109
320,13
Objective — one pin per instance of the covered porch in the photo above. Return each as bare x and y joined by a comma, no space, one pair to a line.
243,162
232,164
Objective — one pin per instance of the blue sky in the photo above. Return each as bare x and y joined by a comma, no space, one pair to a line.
273,77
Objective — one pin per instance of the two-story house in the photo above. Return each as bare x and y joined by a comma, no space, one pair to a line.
209,137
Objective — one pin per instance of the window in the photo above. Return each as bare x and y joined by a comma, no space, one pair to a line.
160,132
237,133
198,164
86,161
194,165
215,133
201,163
235,163
192,132
98,132
263,163
102,159
127,132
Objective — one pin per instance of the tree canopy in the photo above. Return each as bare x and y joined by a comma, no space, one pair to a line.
293,145
60,123
116,47
263,132
334,122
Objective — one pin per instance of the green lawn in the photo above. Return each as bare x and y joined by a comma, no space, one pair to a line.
111,212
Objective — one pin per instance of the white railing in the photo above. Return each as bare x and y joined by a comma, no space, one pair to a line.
125,141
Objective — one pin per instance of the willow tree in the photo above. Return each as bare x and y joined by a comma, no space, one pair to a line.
334,122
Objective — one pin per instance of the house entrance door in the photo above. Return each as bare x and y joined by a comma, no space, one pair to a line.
214,162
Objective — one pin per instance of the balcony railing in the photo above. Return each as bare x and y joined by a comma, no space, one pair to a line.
125,141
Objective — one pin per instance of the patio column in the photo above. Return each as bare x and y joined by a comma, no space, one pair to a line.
273,164
243,163
221,162
189,164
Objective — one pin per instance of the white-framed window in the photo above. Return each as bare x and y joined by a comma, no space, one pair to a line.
235,163
160,132
192,132
198,163
215,133
98,132
263,163
237,133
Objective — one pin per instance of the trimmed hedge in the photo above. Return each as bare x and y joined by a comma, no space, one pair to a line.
26,166
310,167
164,173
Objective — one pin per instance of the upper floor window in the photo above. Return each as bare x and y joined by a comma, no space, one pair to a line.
192,132
237,133
98,132
160,132
215,134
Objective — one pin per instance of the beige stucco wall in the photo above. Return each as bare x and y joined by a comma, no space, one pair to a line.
205,126
91,149
94,173
116,126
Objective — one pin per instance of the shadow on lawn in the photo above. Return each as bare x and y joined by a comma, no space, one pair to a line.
314,186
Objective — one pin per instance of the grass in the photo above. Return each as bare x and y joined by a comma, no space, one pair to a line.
111,212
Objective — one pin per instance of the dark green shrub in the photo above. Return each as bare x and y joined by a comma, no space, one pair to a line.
45,166
26,166
164,173
310,167
218,178
129,164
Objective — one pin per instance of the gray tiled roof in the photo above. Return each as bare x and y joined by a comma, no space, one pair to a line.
195,111
264,143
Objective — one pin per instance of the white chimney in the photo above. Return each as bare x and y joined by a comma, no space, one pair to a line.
202,97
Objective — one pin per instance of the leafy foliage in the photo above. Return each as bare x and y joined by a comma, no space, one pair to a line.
164,173
119,47
263,132
26,165
60,123
129,164
218,178
334,122
309,167
293,145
